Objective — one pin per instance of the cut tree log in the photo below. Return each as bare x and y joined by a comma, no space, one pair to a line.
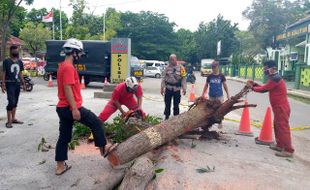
140,173
204,114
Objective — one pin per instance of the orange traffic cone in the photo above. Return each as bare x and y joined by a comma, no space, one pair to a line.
106,81
265,136
192,96
50,81
245,127
82,83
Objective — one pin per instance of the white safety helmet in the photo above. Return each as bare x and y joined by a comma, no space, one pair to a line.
73,44
131,84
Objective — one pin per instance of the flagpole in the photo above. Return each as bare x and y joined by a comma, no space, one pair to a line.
104,26
53,26
60,20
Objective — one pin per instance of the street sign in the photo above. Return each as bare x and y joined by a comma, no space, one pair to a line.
120,59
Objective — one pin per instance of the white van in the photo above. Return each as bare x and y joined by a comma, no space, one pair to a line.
155,63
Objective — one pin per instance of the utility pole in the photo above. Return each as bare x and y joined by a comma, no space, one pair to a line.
53,25
60,21
104,26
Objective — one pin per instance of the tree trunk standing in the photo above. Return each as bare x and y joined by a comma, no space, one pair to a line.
6,21
3,44
205,114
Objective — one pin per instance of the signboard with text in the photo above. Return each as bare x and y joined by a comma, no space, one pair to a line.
120,66
293,33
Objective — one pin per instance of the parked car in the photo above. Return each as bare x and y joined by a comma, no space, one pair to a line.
152,72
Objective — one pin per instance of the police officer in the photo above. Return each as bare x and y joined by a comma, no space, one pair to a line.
174,79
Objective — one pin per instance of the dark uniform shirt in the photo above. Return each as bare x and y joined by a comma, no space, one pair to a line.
12,70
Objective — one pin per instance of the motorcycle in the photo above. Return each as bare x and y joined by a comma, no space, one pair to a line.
46,76
28,83
190,77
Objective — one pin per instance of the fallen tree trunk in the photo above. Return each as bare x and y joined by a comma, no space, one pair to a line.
140,173
204,114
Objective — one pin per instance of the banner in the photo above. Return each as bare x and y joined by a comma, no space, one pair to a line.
218,52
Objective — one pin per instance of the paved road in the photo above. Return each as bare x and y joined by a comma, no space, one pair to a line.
299,114
299,111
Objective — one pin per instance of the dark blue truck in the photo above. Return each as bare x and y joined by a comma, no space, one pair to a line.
95,66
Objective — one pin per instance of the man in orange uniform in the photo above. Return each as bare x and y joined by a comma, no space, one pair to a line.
123,94
280,106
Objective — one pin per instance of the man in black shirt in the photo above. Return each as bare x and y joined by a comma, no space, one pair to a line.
12,77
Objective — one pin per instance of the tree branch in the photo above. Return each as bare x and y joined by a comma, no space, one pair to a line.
242,106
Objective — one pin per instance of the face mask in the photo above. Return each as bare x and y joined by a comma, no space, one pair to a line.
15,54
76,58
131,90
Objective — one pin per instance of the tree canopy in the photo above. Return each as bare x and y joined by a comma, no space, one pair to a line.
35,36
154,36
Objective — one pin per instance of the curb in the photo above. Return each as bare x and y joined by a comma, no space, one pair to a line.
289,90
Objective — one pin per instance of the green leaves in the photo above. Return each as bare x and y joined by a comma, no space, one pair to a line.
79,130
208,34
159,170
120,131
43,141
42,162
152,33
153,120
206,170
34,37
269,18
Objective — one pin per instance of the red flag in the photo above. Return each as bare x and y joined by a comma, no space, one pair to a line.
48,17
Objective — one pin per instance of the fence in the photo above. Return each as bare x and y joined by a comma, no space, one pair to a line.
253,72
302,77
256,72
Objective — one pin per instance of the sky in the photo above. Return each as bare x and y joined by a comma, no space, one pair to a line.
186,14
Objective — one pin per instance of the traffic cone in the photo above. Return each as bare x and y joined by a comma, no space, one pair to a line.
106,81
82,83
192,96
245,127
265,136
50,81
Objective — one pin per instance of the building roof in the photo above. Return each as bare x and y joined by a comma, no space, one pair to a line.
301,21
15,41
